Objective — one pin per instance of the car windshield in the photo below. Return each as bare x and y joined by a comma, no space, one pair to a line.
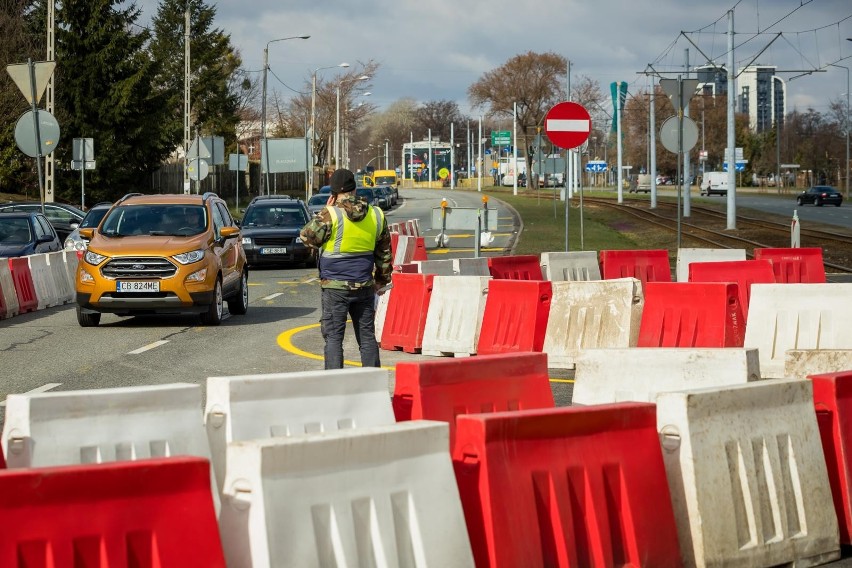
385,180
318,199
274,216
93,217
364,193
155,219
15,231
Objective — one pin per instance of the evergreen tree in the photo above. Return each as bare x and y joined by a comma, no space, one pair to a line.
104,91
214,65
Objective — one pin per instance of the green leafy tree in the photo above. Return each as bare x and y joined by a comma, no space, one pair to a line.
219,88
17,43
104,77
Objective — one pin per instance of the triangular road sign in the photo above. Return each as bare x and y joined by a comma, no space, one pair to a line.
669,87
20,73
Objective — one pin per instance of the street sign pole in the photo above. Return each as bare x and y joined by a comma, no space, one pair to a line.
83,179
37,131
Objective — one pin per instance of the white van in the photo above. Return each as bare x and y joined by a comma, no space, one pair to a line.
714,183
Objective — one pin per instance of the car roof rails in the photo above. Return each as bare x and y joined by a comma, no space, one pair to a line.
128,196
99,203
207,195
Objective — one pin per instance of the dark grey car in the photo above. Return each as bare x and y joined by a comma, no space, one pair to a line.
820,195
26,233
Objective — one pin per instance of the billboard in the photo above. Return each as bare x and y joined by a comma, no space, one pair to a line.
418,168
284,155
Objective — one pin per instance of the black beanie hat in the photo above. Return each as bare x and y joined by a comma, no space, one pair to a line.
342,181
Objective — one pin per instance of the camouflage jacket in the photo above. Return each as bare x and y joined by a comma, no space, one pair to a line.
318,231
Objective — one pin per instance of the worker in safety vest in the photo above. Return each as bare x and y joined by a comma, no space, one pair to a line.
355,262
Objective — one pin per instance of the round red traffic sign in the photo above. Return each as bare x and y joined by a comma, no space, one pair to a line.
568,124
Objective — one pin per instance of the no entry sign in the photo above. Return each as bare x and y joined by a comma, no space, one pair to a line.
568,125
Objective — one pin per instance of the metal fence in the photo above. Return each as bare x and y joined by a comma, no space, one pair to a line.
223,182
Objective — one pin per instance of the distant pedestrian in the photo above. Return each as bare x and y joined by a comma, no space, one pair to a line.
354,257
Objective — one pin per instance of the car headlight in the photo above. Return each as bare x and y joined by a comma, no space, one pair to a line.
93,258
246,240
189,257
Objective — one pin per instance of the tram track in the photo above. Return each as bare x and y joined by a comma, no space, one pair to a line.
778,234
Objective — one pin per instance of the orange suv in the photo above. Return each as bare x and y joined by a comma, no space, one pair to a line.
163,254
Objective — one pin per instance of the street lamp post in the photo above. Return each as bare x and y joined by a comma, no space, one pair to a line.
313,112
337,123
263,103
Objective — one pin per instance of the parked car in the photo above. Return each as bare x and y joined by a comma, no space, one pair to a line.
163,254
64,218
26,233
317,203
367,194
324,190
384,196
820,195
714,183
92,219
270,231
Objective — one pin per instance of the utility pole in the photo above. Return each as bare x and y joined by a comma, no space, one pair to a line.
686,194
731,158
653,128
186,106
49,98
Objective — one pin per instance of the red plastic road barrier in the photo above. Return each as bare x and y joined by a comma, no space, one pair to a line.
794,265
523,267
443,389
394,242
691,314
406,316
577,486
24,285
515,316
420,249
645,265
743,272
411,268
140,514
833,404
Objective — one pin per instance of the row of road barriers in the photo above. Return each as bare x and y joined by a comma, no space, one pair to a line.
438,311
468,463
36,282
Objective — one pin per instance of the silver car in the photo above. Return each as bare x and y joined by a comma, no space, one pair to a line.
92,219
317,202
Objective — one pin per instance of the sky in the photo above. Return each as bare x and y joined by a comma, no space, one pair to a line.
435,50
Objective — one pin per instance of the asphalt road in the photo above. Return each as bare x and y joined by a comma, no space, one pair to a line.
47,350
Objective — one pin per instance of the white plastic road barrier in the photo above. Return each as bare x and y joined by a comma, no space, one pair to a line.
747,475
797,316
592,315
685,256
638,373
7,288
404,250
378,496
65,291
381,313
103,425
292,404
799,363
454,319
471,266
71,262
45,287
438,267
570,266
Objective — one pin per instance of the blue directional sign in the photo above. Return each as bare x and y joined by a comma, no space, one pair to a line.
596,166
740,167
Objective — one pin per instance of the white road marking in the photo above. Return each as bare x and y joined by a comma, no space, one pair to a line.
273,296
42,388
568,125
148,347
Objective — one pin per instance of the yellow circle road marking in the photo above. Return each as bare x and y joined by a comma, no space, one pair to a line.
285,342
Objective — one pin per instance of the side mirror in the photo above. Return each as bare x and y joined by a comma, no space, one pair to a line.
230,232
75,225
87,233
44,239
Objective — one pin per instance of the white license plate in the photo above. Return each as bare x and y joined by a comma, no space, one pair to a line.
273,250
137,286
